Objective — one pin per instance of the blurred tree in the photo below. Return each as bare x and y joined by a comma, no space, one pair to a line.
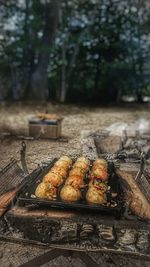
74,50
49,11
29,27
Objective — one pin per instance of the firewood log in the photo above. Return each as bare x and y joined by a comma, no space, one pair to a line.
6,199
136,200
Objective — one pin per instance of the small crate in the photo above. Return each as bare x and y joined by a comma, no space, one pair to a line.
45,128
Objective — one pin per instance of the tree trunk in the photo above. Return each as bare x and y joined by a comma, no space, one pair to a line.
63,75
39,80
62,94
139,96
97,74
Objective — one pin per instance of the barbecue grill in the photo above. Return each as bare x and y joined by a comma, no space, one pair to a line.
31,221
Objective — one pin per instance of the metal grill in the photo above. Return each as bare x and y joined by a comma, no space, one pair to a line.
10,176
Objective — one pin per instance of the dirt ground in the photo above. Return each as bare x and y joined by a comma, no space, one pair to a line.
14,120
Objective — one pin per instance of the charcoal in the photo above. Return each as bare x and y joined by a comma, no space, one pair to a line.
134,153
67,231
86,230
38,232
106,232
3,226
126,237
143,240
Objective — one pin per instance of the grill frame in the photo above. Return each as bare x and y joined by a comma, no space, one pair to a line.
13,174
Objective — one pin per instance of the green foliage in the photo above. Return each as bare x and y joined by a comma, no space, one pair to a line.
101,49
112,49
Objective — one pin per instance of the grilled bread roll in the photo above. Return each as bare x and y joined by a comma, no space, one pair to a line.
96,193
66,159
95,196
62,164
77,172
97,183
75,181
81,164
100,162
70,194
41,190
83,159
59,170
99,173
100,170
53,178
45,190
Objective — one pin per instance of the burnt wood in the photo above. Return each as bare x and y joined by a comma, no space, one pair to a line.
78,231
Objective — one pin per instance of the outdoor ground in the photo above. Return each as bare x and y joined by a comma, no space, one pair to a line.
14,119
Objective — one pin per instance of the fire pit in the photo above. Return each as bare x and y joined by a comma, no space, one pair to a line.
72,229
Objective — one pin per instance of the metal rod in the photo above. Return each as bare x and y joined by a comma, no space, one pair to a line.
142,165
23,157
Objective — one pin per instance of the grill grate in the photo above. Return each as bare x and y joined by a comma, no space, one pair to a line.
10,176
27,197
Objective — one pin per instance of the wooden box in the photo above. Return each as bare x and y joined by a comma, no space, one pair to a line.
45,128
